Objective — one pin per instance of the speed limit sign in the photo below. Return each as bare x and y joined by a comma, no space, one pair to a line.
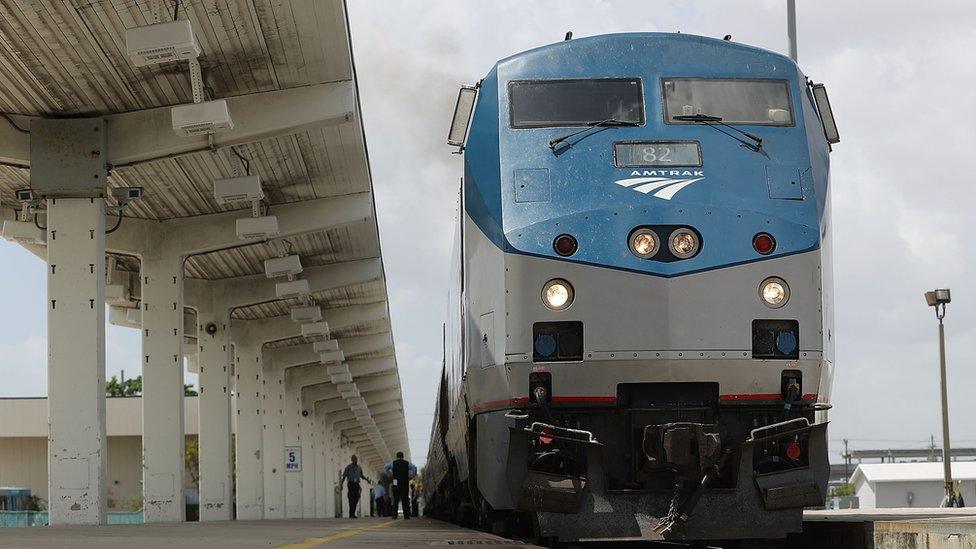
293,458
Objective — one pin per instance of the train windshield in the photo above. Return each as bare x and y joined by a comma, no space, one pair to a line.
553,103
735,101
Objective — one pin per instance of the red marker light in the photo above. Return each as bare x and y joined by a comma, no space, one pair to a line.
565,245
793,451
764,243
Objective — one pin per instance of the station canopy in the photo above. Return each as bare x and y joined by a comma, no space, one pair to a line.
285,68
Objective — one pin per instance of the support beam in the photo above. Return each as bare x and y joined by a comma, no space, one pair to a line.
320,388
294,481
273,437
77,453
352,424
15,145
345,317
249,427
309,442
207,233
162,386
323,471
213,340
248,290
378,383
277,328
333,403
302,355
147,135
352,346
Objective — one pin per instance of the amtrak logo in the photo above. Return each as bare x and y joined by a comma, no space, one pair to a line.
663,183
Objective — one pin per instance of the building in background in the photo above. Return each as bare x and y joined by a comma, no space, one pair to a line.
918,484
23,447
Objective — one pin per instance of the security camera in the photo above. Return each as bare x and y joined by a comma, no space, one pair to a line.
210,328
123,195
24,195
304,413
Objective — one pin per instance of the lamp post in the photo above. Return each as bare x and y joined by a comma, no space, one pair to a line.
938,299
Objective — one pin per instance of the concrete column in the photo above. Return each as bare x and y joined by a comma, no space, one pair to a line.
328,476
321,468
213,336
294,503
250,468
162,387
309,440
77,489
273,439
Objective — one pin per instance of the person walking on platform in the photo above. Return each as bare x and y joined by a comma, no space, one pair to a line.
354,473
379,497
402,471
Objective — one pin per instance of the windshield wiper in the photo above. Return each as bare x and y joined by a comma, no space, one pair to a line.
592,125
710,121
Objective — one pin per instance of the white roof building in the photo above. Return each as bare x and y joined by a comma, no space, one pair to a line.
881,485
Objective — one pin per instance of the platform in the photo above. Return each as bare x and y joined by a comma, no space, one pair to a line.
894,528
284,534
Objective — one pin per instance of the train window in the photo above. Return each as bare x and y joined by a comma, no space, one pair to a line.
735,101
576,102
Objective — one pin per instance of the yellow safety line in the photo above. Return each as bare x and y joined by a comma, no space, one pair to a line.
308,543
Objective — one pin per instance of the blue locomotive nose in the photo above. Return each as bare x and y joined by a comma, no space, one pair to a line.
661,190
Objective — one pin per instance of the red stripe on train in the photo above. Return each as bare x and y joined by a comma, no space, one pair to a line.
521,401
763,396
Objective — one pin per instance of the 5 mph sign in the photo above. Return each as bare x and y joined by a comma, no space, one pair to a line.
293,458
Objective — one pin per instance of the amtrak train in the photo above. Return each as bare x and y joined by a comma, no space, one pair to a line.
639,336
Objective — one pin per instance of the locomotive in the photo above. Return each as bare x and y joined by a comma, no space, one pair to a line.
639,335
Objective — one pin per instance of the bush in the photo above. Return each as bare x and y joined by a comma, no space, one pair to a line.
36,503
132,503
842,490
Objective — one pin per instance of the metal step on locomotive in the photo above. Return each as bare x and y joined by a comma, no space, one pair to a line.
639,336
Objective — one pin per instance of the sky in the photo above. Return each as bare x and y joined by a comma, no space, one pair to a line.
899,82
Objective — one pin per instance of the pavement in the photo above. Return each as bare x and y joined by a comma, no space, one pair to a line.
284,534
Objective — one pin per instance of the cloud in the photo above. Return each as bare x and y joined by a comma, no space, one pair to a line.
23,367
901,187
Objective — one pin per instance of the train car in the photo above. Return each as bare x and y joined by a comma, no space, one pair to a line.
639,338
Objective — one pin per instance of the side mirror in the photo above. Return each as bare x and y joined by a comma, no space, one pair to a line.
826,114
462,116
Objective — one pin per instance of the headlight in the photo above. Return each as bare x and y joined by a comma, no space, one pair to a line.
644,243
774,292
557,294
683,243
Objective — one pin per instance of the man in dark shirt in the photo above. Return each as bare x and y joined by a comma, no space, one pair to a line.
354,473
402,471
